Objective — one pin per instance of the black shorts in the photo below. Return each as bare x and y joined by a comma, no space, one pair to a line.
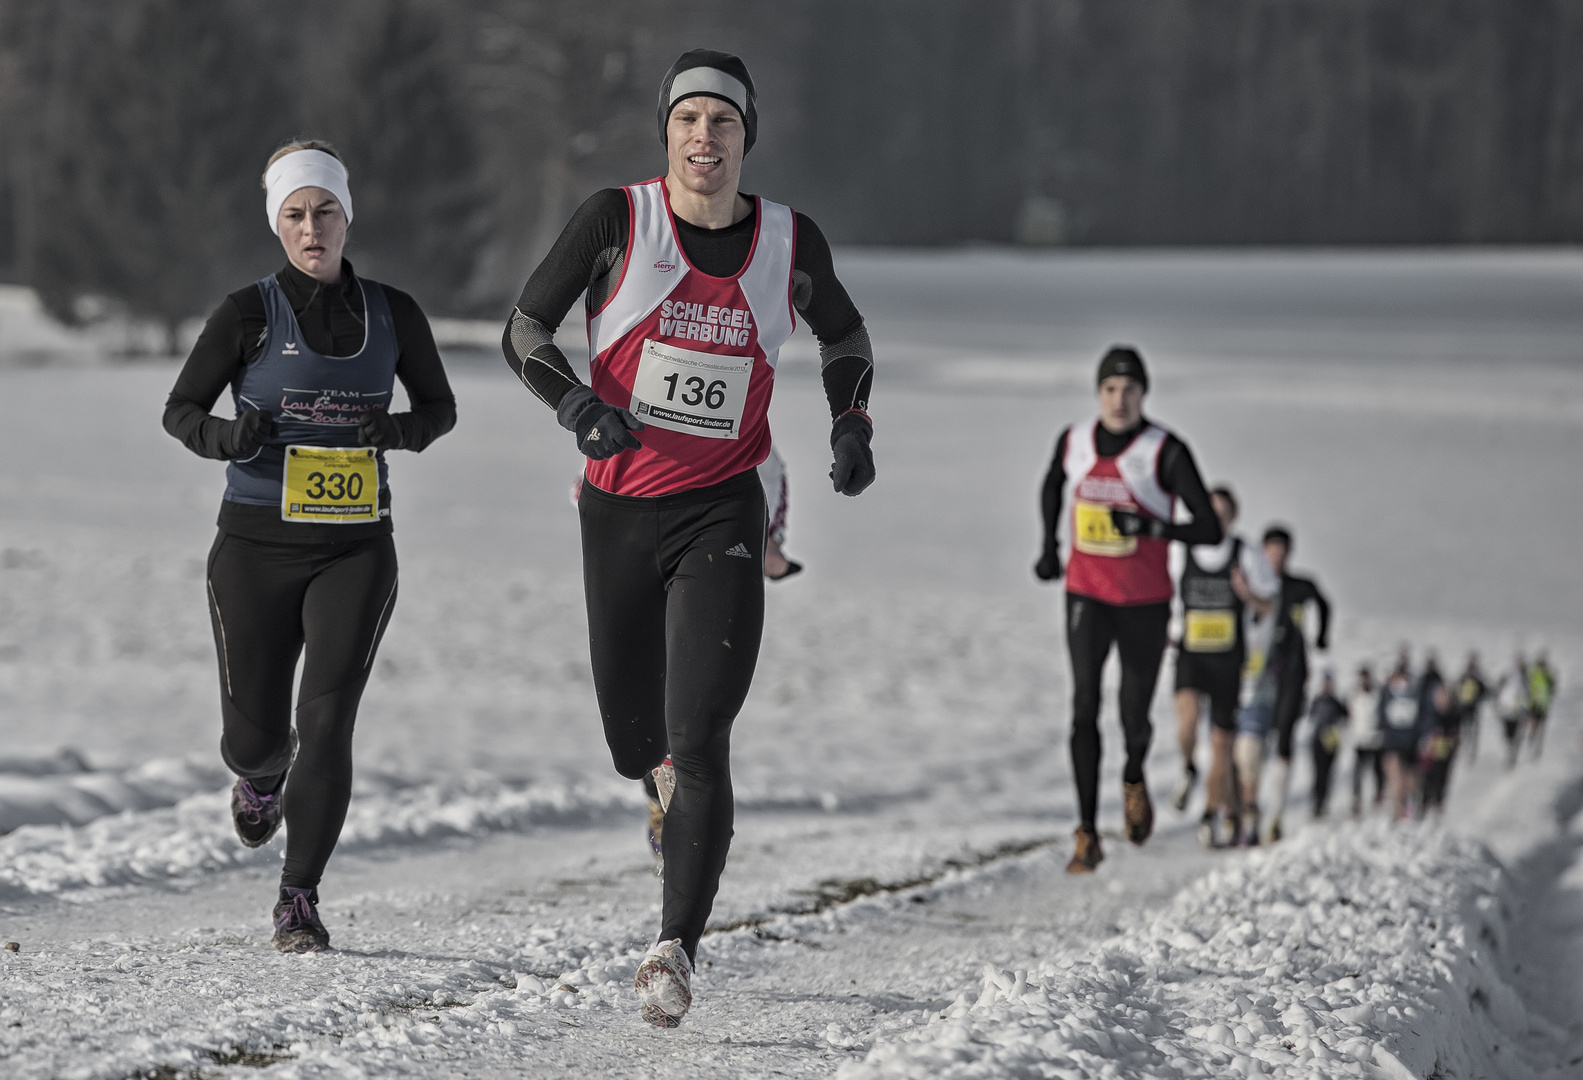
1217,674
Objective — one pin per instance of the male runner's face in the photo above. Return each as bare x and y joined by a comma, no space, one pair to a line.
1120,403
313,232
1275,552
703,140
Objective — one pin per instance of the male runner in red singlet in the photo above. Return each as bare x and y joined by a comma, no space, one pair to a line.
691,289
1127,474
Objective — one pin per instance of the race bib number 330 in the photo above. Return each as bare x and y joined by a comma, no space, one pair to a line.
327,484
694,392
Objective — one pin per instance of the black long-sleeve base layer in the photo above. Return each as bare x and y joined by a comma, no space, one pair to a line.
331,318
1176,471
589,257
271,604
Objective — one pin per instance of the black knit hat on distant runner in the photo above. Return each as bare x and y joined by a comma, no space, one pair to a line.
1123,360
706,73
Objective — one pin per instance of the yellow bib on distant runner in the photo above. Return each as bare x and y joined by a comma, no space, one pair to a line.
1210,631
1097,534
330,484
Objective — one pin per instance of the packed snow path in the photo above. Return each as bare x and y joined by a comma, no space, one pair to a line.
906,725
1348,951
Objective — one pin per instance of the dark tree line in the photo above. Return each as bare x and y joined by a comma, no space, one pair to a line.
135,131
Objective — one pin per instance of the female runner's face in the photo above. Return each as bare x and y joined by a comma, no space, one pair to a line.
703,140
313,232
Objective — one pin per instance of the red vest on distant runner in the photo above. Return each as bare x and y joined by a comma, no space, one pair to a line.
1105,565
692,356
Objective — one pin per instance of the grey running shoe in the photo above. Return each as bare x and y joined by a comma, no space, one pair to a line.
297,925
256,816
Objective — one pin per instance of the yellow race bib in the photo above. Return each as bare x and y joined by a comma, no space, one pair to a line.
1210,631
330,484
1095,534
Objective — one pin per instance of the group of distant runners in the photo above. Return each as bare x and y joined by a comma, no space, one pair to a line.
1406,731
690,287
1241,648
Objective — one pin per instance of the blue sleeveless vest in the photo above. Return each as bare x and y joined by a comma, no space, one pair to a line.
317,400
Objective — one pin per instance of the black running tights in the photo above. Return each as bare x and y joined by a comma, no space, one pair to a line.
1290,700
1138,632
270,604
675,588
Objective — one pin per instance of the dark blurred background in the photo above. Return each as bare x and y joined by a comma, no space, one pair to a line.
134,132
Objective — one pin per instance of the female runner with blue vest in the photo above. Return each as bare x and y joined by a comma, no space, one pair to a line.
1126,474
692,287
304,564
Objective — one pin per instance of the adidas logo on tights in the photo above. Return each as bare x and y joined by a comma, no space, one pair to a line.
740,551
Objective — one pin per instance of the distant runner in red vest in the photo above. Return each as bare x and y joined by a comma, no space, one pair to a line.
691,287
1127,474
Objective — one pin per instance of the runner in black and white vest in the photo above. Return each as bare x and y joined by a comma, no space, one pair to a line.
304,564
1218,585
692,287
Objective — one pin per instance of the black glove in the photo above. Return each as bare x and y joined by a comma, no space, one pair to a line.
247,433
1048,568
1129,524
853,470
602,430
381,431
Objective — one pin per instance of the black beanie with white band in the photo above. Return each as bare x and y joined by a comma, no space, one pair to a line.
704,72
1123,360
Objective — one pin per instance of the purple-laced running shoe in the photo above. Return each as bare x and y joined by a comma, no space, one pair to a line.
256,816
297,925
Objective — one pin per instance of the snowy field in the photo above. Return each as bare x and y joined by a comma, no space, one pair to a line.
895,905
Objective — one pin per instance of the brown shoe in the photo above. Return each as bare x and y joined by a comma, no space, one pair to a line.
1087,856
1139,811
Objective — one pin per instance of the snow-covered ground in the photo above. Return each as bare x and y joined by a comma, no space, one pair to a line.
895,904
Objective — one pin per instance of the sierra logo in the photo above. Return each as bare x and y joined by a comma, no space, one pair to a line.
664,267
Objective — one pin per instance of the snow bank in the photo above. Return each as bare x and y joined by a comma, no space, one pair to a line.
195,835
1362,952
61,789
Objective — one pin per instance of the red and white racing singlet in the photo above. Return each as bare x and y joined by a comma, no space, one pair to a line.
692,356
1105,565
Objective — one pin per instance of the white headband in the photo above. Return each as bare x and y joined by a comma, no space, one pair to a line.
711,81
300,169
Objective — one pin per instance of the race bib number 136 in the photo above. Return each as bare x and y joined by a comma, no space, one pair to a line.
327,484
695,392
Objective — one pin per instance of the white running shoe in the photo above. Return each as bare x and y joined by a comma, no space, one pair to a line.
663,983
